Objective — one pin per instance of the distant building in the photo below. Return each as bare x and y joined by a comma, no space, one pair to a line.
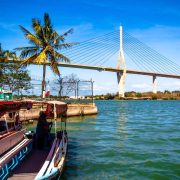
5,94
79,97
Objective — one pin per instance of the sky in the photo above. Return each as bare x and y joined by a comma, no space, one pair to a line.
155,22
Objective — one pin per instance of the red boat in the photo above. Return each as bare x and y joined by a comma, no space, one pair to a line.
9,117
19,157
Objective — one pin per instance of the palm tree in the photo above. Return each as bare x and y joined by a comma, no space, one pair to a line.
5,55
45,45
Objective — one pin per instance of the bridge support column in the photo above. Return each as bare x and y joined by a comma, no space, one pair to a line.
154,84
121,76
121,84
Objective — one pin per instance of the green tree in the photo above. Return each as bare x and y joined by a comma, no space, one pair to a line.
45,45
67,84
10,75
167,92
139,95
14,77
5,55
109,96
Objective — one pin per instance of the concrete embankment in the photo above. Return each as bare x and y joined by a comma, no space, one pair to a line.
73,110
81,109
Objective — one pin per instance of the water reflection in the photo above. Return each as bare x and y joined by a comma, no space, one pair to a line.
80,118
122,118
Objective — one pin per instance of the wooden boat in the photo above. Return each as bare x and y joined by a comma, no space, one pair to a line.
22,159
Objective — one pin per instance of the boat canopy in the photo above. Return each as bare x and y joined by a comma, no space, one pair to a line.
53,108
10,106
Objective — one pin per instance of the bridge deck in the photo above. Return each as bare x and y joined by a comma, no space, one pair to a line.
99,68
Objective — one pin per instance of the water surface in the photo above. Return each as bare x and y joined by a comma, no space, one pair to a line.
126,140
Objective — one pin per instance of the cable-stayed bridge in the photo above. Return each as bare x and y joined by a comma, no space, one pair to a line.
121,53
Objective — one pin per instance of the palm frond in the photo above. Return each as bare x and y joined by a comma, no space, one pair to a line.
2,59
65,45
61,57
47,20
28,52
61,38
54,36
34,40
54,65
38,29
24,30
36,25
26,48
13,55
28,60
70,31
41,57
48,28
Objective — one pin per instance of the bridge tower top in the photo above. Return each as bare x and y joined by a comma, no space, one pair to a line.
121,59
121,40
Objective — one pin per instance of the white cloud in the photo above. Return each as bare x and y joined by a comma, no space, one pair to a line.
175,84
105,88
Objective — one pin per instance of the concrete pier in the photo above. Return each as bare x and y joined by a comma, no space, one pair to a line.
81,109
73,110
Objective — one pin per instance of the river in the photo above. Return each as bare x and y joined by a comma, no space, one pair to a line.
126,140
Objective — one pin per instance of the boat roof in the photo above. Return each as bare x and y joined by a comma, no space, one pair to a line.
46,102
56,102
12,106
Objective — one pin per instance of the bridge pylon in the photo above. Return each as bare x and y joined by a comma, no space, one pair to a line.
121,76
154,84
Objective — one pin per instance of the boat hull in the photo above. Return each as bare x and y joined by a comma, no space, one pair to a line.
55,161
10,161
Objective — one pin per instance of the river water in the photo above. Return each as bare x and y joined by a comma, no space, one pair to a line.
126,140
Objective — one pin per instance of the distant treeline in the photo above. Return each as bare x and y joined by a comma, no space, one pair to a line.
166,95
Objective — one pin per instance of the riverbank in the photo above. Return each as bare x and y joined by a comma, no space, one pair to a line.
81,109
166,95
73,110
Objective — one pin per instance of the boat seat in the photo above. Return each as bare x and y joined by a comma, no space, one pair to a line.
10,154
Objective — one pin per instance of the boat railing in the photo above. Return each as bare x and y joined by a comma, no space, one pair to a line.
4,159
49,168
11,159
2,132
48,160
58,154
11,140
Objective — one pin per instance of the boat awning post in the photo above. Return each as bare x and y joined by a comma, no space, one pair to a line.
6,123
55,118
65,124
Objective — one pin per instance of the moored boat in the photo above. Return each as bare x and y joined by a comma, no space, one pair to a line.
13,145
25,160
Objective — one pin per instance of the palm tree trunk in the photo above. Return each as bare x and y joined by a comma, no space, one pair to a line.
43,80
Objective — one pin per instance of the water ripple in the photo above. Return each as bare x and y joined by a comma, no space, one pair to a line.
126,140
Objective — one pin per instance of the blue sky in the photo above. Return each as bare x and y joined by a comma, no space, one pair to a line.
154,22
